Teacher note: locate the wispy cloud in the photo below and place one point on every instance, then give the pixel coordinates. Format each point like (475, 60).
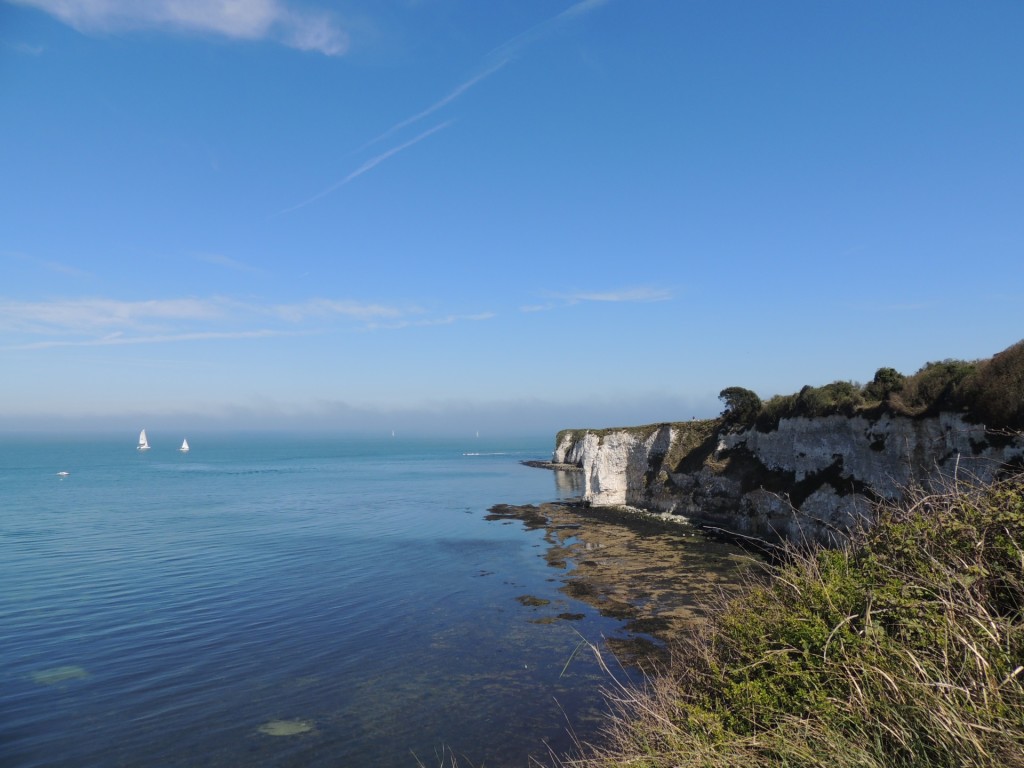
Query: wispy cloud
(319, 309)
(227, 262)
(373, 162)
(64, 269)
(88, 316)
(54, 267)
(109, 322)
(25, 49)
(431, 321)
(303, 29)
(637, 295)
(642, 294)
(118, 339)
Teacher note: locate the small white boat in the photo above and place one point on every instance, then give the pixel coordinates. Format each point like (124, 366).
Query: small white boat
(143, 442)
(184, 446)
(63, 474)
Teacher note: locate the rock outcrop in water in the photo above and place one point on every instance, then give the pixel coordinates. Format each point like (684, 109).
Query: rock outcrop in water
(807, 478)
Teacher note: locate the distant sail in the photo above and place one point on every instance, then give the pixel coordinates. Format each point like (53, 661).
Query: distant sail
(184, 446)
(143, 442)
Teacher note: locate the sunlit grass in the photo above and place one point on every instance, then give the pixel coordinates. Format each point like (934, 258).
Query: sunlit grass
(904, 650)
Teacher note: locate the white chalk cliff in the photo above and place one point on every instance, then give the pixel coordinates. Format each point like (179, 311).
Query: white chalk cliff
(809, 477)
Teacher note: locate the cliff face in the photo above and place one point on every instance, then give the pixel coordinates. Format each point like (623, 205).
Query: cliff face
(808, 478)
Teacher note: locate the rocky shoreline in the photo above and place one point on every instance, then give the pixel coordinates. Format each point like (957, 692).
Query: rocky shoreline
(552, 465)
(656, 577)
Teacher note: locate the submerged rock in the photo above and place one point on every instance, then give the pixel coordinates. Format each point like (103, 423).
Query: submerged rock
(58, 675)
(286, 727)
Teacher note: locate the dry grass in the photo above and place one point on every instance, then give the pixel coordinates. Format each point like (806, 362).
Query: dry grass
(904, 649)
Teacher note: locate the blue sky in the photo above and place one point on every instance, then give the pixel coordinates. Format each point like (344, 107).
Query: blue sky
(443, 215)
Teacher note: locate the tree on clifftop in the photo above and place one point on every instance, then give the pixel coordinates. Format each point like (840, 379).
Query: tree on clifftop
(741, 405)
(886, 380)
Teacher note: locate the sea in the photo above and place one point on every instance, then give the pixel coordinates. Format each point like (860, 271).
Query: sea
(287, 600)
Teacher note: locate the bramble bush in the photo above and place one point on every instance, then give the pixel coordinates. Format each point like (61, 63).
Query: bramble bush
(940, 386)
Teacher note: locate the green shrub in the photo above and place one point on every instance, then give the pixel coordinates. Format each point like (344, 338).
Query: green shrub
(995, 394)
(838, 397)
(843, 397)
(989, 391)
(774, 409)
(940, 386)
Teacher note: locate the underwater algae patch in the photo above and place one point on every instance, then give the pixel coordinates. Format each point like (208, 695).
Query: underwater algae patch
(286, 727)
(58, 675)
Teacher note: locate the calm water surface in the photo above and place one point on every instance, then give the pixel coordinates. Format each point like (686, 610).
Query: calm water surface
(162, 609)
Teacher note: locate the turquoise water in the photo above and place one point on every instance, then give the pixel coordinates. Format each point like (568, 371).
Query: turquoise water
(159, 608)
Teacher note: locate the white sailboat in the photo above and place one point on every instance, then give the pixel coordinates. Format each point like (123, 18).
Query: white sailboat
(143, 442)
(184, 446)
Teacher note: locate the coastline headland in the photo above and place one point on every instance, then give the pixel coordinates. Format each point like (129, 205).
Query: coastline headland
(891, 634)
(810, 479)
(810, 467)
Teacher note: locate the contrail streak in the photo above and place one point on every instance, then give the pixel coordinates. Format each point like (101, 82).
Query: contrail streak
(368, 165)
(499, 57)
(455, 93)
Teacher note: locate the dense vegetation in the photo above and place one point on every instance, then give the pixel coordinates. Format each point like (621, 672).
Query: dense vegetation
(986, 391)
(904, 650)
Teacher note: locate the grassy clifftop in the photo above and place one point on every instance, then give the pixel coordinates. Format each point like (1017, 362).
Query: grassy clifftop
(904, 650)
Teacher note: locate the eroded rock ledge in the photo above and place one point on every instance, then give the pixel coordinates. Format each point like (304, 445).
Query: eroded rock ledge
(810, 478)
